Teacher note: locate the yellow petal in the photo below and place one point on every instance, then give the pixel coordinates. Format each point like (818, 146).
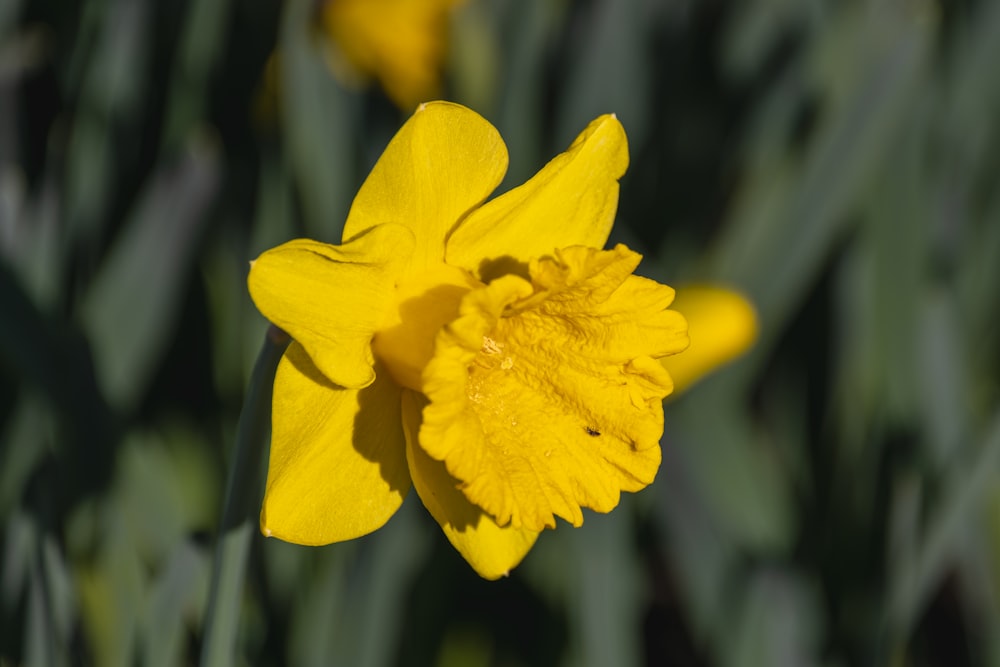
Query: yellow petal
(492, 551)
(545, 397)
(722, 324)
(571, 201)
(331, 299)
(337, 464)
(443, 162)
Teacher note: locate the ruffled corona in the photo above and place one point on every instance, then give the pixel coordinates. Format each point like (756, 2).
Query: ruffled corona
(545, 396)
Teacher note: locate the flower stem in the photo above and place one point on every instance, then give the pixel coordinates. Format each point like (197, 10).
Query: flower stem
(243, 489)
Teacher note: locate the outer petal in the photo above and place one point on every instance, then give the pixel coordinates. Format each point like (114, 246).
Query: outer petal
(571, 201)
(492, 551)
(722, 325)
(330, 298)
(442, 163)
(337, 464)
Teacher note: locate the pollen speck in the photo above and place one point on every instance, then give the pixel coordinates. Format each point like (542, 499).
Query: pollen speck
(491, 346)
(507, 363)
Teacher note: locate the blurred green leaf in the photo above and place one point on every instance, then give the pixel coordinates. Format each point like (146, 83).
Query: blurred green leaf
(111, 90)
(604, 601)
(130, 310)
(166, 488)
(19, 537)
(898, 231)
(51, 605)
(23, 444)
(755, 27)
(608, 71)
(32, 241)
(317, 117)
(317, 636)
(112, 591)
(961, 509)
(203, 38)
(738, 476)
(175, 597)
(518, 116)
(8, 16)
(786, 220)
(46, 357)
(777, 625)
(942, 377)
(40, 650)
(972, 91)
(700, 551)
(378, 596)
(356, 606)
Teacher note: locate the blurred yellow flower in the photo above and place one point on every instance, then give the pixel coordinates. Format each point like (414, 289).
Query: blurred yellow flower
(721, 324)
(489, 354)
(401, 43)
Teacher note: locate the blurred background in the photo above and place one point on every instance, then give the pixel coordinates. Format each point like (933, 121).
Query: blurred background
(832, 499)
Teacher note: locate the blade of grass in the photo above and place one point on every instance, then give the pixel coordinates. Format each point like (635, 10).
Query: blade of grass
(966, 491)
(111, 590)
(606, 613)
(110, 96)
(203, 42)
(322, 632)
(778, 622)
(39, 651)
(182, 581)
(51, 607)
(318, 118)
(352, 612)
(788, 219)
(380, 597)
(22, 446)
(243, 490)
(519, 109)
(609, 71)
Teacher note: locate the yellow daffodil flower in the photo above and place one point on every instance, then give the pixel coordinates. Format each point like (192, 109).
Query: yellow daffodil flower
(491, 355)
(401, 43)
(721, 325)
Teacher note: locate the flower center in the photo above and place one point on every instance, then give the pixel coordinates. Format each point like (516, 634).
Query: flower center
(423, 305)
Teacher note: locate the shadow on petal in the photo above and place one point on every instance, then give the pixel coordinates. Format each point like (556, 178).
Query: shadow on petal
(377, 430)
(490, 549)
(438, 490)
(493, 268)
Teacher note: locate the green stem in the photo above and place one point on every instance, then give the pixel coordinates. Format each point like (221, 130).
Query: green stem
(239, 515)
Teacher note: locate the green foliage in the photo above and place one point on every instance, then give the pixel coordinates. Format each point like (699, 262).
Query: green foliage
(831, 499)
